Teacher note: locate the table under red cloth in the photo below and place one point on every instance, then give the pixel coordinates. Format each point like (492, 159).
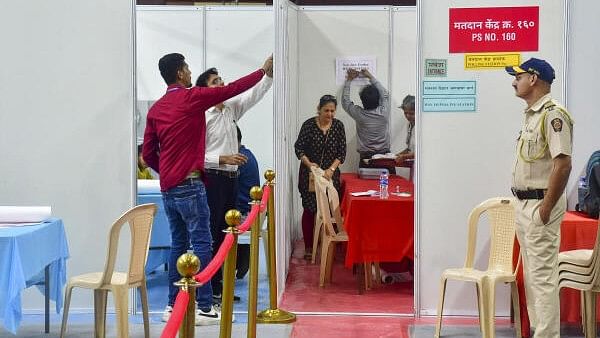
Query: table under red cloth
(577, 232)
(379, 230)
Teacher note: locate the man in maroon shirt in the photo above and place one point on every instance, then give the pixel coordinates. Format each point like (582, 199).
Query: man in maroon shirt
(174, 144)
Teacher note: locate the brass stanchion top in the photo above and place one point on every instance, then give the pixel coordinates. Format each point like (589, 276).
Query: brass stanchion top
(188, 266)
(270, 176)
(233, 217)
(256, 193)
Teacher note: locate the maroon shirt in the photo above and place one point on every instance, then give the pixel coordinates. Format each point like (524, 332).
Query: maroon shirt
(175, 135)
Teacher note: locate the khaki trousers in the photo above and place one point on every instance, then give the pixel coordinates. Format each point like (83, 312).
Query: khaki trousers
(539, 249)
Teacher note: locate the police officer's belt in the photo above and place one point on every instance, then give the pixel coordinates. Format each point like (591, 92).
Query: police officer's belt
(534, 194)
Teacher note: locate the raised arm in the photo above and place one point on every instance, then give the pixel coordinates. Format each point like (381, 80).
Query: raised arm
(349, 106)
(204, 97)
(242, 103)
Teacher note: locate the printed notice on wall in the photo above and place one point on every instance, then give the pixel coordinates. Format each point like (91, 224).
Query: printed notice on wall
(436, 67)
(493, 29)
(491, 61)
(449, 96)
(342, 64)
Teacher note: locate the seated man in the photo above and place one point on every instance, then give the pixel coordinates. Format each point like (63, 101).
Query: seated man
(372, 119)
(408, 106)
(249, 177)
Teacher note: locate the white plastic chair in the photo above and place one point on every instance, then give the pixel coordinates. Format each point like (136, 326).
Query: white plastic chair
(140, 220)
(579, 270)
(501, 216)
(329, 207)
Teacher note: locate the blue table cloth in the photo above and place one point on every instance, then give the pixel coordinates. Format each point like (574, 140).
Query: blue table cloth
(25, 251)
(160, 238)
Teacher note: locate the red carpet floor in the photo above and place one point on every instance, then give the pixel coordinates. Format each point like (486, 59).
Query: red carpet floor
(303, 294)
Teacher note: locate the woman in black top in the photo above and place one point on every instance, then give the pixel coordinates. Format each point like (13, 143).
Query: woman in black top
(321, 143)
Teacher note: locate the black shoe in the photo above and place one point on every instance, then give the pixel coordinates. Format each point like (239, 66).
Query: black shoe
(217, 298)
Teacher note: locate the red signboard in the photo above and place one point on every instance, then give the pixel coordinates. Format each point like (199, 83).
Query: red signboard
(493, 29)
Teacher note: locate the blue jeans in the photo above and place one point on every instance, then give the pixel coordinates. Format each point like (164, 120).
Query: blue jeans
(188, 213)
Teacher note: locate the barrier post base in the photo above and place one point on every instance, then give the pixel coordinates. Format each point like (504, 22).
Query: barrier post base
(276, 316)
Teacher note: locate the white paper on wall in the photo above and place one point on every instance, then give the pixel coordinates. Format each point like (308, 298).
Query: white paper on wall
(342, 64)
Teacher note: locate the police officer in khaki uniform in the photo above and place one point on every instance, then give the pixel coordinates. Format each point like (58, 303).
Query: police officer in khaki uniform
(541, 171)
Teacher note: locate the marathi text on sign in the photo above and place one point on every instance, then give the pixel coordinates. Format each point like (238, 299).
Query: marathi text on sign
(493, 29)
(491, 61)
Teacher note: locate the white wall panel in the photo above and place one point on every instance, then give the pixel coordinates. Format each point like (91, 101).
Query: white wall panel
(238, 40)
(465, 158)
(582, 78)
(66, 120)
(325, 33)
(164, 30)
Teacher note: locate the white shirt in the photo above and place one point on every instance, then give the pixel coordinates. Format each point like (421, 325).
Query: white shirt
(221, 134)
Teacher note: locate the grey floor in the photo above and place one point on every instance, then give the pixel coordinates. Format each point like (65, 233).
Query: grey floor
(83, 327)
(455, 331)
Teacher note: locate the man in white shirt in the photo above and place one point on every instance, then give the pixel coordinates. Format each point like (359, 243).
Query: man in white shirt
(222, 156)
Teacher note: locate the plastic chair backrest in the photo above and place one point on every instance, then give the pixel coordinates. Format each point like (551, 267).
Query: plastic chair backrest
(326, 198)
(501, 216)
(140, 220)
(596, 264)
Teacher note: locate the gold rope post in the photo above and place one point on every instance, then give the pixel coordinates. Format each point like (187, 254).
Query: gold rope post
(188, 265)
(273, 315)
(233, 218)
(256, 195)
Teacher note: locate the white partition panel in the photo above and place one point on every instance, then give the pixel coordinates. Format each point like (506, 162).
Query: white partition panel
(238, 40)
(327, 32)
(66, 120)
(583, 49)
(163, 30)
(403, 70)
(285, 127)
(465, 158)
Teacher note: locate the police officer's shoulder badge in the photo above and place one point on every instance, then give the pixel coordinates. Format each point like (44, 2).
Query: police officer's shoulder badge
(557, 124)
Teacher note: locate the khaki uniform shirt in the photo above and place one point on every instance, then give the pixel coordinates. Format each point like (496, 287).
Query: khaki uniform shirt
(537, 146)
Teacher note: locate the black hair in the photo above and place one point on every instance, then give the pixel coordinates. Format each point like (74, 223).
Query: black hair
(202, 80)
(369, 96)
(325, 99)
(239, 134)
(140, 146)
(169, 65)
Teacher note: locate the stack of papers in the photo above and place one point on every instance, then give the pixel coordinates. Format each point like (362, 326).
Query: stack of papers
(365, 193)
(20, 215)
(388, 156)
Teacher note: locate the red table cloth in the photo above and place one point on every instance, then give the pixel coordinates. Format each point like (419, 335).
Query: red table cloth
(379, 230)
(577, 232)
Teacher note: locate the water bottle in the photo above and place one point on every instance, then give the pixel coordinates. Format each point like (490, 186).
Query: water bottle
(383, 185)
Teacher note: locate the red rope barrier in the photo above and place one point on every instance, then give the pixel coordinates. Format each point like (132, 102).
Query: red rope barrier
(206, 274)
(181, 302)
(218, 259)
(265, 198)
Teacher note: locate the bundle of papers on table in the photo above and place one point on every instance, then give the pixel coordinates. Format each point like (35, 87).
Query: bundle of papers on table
(23, 215)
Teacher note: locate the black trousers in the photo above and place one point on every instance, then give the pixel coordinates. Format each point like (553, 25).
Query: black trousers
(221, 193)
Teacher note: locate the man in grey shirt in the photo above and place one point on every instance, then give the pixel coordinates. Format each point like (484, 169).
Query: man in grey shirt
(372, 119)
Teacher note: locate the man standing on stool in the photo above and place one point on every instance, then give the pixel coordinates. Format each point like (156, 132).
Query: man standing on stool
(540, 174)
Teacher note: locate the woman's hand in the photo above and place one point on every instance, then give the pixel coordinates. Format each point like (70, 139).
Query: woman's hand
(310, 164)
(328, 174)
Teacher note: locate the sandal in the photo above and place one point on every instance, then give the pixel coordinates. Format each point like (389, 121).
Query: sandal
(308, 256)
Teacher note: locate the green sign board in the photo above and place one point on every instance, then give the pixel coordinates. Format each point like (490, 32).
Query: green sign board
(436, 67)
